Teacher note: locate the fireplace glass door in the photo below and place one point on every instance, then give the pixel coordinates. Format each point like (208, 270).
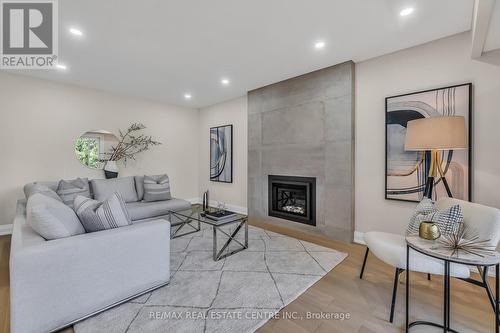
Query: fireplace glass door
(293, 198)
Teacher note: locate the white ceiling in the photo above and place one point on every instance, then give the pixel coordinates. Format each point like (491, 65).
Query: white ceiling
(161, 49)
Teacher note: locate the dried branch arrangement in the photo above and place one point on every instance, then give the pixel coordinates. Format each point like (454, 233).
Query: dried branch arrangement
(467, 240)
(131, 143)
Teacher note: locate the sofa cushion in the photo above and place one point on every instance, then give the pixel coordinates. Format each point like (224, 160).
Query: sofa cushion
(144, 210)
(157, 188)
(51, 218)
(139, 187)
(96, 215)
(33, 188)
(69, 189)
(104, 188)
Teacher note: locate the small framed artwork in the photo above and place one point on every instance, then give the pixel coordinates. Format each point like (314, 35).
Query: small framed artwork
(221, 154)
(406, 171)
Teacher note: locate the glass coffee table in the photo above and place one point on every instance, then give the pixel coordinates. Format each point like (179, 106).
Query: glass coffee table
(191, 220)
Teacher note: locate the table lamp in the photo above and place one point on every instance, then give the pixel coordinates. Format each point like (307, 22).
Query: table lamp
(435, 134)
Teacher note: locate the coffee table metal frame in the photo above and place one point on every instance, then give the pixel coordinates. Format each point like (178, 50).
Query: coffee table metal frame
(195, 216)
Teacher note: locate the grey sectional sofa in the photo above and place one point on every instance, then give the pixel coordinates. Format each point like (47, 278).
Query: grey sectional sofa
(58, 282)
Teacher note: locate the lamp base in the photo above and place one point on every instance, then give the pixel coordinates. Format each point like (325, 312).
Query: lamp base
(435, 170)
(429, 186)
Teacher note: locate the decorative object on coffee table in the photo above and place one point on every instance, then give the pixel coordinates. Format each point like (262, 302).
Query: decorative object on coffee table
(131, 143)
(221, 154)
(429, 230)
(205, 200)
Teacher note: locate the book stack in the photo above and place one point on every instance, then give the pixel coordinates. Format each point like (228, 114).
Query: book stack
(220, 216)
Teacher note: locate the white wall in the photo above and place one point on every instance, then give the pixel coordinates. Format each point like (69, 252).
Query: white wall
(40, 121)
(230, 112)
(441, 63)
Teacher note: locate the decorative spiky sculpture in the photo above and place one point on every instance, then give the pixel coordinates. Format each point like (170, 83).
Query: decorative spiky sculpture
(467, 240)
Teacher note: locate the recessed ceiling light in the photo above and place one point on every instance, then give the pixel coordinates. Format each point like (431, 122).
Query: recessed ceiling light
(225, 82)
(406, 11)
(187, 96)
(319, 44)
(61, 67)
(76, 32)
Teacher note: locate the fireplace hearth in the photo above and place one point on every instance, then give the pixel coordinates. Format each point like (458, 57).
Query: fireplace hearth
(293, 198)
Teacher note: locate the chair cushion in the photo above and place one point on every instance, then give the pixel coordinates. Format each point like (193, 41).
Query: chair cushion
(68, 190)
(51, 218)
(104, 188)
(391, 249)
(448, 220)
(96, 215)
(143, 210)
(156, 188)
(484, 220)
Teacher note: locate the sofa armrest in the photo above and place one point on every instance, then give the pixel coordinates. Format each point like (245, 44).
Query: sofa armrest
(59, 281)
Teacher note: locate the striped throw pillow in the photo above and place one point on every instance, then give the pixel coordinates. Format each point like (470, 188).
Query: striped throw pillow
(156, 188)
(448, 220)
(96, 215)
(68, 190)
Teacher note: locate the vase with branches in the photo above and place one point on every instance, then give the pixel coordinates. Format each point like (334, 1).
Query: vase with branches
(131, 143)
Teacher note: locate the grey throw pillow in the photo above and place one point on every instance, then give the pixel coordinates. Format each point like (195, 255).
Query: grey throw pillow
(104, 188)
(448, 220)
(52, 219)
(32, 189)
(157, 188)
(68, 190)
(139, 186)
(96, 215)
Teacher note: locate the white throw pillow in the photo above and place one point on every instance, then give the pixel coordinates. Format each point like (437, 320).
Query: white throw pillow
(51, 218)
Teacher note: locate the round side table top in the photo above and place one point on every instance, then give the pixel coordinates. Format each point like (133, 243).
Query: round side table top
(435, 249)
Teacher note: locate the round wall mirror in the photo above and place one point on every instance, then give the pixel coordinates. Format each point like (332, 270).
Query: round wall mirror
(93, 148)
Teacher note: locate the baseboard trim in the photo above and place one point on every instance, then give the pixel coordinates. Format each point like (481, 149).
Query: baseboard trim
(359, 237)
(213, 203)
(5, 229)
(193, 200)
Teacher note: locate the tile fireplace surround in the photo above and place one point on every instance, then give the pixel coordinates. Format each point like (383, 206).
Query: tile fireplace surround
(304, 127)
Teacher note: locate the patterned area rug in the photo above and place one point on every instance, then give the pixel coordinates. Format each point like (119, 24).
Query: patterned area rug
(236, 294)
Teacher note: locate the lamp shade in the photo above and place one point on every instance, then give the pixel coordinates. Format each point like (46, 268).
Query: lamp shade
(436, 133)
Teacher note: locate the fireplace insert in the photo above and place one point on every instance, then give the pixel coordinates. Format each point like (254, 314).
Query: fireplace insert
(293, 198)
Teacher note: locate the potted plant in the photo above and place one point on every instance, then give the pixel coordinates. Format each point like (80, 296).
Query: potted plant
(130, 144)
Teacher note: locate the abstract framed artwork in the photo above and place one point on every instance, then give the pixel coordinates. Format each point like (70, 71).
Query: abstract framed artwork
(221, 154)
(406, 171)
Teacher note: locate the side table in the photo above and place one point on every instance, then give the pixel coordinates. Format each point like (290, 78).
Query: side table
(431, 248)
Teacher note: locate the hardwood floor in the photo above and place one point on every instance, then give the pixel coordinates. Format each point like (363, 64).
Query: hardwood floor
(367, 301)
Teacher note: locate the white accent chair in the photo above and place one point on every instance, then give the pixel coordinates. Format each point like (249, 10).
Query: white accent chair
(391, 248)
